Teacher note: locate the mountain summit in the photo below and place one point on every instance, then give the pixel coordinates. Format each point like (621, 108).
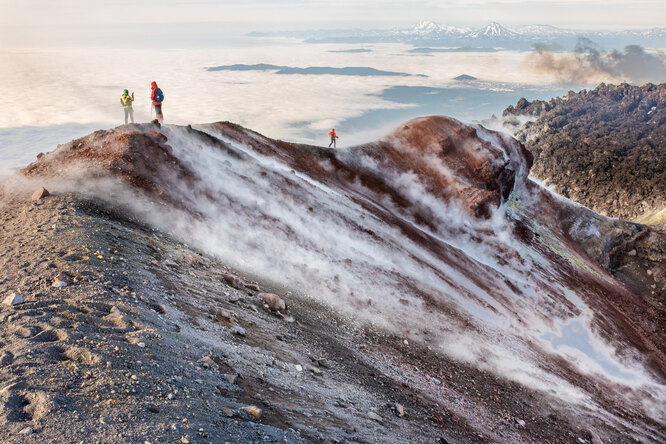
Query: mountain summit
(494, 30)
(419, 287)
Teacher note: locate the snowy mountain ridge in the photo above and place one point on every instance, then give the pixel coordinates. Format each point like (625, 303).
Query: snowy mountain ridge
(493, 35)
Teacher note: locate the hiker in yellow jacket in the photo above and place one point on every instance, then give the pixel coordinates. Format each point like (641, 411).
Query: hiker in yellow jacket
(126, 101)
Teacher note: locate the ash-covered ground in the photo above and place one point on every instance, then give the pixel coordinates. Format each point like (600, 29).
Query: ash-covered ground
(153, 341)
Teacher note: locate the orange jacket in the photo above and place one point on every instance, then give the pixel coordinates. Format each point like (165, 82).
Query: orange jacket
(332, 134)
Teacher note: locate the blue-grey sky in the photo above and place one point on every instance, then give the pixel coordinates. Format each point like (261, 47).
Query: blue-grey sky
(280, 14)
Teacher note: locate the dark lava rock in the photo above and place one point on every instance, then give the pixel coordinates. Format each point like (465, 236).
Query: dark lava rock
(604, 148)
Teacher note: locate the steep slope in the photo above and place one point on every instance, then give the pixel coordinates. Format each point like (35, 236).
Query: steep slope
(457, 277)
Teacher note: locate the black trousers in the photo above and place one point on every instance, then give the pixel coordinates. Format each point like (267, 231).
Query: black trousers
(158, 112)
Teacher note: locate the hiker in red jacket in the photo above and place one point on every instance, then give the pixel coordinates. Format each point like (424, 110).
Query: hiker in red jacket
(157, 96)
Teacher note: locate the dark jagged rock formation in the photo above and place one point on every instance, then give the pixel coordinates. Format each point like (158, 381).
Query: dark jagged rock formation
(604, 148)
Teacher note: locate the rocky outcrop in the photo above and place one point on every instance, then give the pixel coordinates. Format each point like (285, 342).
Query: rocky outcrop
(604, 148)
(634, 253)
(458, 163)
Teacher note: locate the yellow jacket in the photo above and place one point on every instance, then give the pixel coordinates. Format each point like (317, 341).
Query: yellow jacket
(127, 101)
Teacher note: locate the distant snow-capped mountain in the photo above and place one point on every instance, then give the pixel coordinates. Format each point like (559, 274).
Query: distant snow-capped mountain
(494, 30)
(432, 28)
(494, 35)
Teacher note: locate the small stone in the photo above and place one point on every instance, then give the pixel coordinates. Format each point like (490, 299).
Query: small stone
(238, 330)
(315, 370)
(252, 287)
(59, 284)
(340, 403)
(230, 280)
(399, 409)
(40, 194)
(323, 363)
(632, 252)
(299, 368)
(254, 411)
(520, 422)
(374, 416)
(228, 412)
(649, 272)
(206, 362)
(222, 313)
(161, 309)
(231, 377)
(26, 431)
(273, 301)
(141, 344)
(13, 299)
(184, 440)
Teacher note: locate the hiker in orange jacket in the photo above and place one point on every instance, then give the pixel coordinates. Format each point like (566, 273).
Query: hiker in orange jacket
(333, 136)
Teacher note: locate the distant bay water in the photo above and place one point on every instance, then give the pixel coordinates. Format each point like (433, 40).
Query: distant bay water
(281, 87)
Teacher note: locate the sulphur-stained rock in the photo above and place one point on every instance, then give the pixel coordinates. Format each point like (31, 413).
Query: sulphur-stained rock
(273, 301)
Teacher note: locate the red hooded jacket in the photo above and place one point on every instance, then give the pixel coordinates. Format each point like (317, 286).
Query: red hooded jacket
(153, 94)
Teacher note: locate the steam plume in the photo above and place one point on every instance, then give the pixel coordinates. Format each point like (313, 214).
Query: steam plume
(590, 64)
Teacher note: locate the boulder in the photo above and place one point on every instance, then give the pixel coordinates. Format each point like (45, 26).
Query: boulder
(40, 194)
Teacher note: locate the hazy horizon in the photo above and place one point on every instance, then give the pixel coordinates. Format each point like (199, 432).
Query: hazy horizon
(585, 14)
(64, 65)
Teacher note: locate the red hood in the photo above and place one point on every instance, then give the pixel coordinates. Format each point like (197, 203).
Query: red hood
(153, 85)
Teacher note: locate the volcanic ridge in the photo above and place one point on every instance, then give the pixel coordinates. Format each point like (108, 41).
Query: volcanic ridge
(210, 284)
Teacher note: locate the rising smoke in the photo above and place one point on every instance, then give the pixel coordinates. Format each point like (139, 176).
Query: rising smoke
(589, 64)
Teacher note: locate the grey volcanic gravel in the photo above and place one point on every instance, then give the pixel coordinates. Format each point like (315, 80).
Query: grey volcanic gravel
(139, 346)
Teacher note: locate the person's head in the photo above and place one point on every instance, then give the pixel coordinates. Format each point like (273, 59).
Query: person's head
(125, 92)
(333, 129)
(153, 85)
